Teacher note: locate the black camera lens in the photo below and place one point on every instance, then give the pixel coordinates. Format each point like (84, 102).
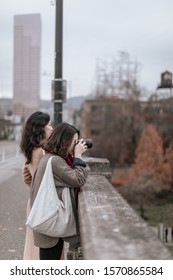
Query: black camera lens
(89, 143)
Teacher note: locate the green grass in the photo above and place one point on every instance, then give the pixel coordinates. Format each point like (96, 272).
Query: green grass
(155, 214)
(157, 205)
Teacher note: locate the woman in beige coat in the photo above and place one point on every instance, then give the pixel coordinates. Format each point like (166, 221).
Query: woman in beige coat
(37, 128)
(69, 170)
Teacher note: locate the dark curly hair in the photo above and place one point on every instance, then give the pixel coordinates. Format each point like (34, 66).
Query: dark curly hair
(33, 133)
(60, 139)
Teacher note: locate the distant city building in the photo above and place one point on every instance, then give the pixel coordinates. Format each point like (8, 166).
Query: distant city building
(26, 66)
(95, 114)
(166, 80)
(164, 89)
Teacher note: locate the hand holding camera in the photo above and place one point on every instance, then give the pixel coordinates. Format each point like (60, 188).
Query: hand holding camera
(81, 146)
(88, 143)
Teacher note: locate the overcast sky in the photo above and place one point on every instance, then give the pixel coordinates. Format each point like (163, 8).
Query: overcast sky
(93, 29)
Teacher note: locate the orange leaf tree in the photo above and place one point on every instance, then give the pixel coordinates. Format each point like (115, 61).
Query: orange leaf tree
(149, 153)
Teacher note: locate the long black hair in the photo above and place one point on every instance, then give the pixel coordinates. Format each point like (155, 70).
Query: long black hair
(33, 133)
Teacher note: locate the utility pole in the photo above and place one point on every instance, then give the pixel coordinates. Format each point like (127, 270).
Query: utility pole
(58, 84)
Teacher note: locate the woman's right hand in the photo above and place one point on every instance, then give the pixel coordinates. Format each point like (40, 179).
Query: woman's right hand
(80, 148)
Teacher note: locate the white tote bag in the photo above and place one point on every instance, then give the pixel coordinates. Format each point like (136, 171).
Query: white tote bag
(49, 215)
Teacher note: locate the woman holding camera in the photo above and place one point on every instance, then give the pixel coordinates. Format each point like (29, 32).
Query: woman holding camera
(69, 170)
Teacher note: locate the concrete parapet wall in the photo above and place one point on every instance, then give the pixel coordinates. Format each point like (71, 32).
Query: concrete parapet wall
(110, 228)
(99, 166)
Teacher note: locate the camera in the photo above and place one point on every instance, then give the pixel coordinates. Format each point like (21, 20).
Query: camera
(89, 143)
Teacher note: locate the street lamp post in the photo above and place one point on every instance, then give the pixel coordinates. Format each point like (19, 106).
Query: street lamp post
(58, 84)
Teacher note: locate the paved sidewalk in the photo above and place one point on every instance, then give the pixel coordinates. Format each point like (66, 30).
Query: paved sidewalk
(14, 195)
(8, 149)
(13, 200)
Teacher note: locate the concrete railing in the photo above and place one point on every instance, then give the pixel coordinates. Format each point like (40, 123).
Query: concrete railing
(110, 228)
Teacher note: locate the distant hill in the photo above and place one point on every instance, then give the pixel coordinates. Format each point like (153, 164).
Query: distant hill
(6, 102)
(73, 103)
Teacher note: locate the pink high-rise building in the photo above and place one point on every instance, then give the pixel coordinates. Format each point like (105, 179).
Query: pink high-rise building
(26, 66)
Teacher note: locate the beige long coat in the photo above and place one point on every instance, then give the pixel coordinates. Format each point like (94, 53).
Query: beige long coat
(64, 176)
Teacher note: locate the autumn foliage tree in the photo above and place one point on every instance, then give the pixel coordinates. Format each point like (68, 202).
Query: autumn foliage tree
(167, 170)
(147, 168)
(149, 154)
(148, 159)
(153, 166)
